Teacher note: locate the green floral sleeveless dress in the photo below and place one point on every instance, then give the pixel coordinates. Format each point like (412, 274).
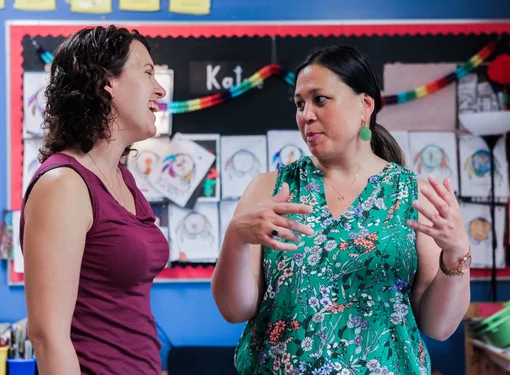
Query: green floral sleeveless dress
(340, 303)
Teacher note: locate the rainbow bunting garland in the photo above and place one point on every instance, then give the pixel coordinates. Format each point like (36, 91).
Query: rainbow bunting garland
(442, 82)
(289, 77)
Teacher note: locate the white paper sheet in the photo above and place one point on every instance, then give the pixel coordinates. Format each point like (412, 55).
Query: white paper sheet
(165, 78)
(478, 226)
(475, 167)
(402, 137)
(34, 102)
(227, 209)
(243, 158)
(170, 168)
(211, 142)
(18, 255)
(144, 162)
(31, 148)
(194, 233)
(284, 147)
(466, 93)
(435, 153)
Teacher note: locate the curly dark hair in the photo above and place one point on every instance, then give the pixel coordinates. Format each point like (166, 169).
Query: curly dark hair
(78, 109)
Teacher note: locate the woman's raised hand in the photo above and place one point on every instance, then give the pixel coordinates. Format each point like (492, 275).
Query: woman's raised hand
(265, 223)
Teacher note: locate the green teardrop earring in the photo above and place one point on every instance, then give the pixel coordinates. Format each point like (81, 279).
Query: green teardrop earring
(365, 133)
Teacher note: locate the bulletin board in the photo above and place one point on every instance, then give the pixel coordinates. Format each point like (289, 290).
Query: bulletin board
(185, 47)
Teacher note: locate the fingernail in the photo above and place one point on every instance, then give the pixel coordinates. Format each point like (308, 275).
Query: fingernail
(410, 223)
(416, 204)
(425, 190)
(432, 178)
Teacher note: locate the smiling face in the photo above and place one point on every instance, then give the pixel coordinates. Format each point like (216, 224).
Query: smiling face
(135, 94)
(329, 113)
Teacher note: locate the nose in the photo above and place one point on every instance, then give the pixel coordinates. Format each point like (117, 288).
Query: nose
(309, 114)
(159, 90)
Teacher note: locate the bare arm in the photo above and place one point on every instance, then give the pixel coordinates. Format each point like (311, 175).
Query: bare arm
(58, 214)
(440, 301)
(238, 283)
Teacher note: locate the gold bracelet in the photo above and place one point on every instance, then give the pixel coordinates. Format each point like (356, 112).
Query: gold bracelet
(461, 269)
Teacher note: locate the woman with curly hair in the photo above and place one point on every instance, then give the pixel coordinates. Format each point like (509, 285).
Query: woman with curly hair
(89, 238)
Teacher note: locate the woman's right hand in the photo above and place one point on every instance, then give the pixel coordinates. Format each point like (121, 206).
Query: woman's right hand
(262, 224)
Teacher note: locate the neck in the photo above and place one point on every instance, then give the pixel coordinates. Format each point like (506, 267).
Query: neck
(361, 161)
(104, 155)
(107, 156)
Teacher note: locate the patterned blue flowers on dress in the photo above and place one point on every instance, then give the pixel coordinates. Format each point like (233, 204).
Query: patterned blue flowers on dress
(312, 186)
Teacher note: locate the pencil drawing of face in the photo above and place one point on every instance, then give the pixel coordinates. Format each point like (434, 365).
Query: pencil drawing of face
(479, 229)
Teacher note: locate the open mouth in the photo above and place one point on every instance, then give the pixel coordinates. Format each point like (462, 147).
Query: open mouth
(153, 106)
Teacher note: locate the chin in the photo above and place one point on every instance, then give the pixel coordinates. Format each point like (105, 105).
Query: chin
(144, 133)
(148, 131)
(317, 150)
(152, 131)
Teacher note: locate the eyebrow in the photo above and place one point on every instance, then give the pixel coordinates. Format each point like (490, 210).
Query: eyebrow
(311, 91)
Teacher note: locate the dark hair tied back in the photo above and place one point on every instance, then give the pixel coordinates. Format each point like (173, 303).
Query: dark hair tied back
(356, 71)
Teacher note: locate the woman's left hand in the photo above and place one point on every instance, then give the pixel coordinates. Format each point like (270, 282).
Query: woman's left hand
(447, 229)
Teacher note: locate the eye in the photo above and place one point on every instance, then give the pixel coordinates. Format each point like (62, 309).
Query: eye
(319, 100)
(150, 73)
(300, 105)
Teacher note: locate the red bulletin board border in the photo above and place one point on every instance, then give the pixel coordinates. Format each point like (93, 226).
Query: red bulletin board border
(16, 32)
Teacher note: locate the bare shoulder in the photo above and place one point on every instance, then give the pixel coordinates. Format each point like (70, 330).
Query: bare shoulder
(60, 191)
(60, 182)
(259, 190)
(262, 185)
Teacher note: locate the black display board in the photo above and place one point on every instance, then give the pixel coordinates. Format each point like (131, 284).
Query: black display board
(203, 64)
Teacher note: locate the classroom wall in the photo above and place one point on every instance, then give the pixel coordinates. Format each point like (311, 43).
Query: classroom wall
(186, 311)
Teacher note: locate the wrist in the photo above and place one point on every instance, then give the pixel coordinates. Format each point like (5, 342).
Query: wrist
(451, 260)
(455, 263)
(232, 237)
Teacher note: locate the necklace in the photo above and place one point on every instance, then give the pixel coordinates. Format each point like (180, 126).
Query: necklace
(117, 196)
(341, 197)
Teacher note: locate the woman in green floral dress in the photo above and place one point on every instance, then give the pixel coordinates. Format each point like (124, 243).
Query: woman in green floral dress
(339, 259)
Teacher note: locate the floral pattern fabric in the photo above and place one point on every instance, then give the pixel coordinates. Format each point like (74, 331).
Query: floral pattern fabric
(340, 304)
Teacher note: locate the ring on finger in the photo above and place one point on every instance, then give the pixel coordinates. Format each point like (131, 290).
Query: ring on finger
(274, 233)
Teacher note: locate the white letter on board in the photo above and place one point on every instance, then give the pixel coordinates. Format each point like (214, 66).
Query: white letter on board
(227, 82)
(238, 70)
(211, 77)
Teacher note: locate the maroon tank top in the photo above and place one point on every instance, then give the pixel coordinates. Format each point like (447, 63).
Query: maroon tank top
(113, 330)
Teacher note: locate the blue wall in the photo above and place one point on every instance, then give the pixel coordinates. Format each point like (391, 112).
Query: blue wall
(187, 312)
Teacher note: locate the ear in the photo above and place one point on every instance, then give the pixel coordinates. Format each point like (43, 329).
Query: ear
(109, 89)
(367, 106)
